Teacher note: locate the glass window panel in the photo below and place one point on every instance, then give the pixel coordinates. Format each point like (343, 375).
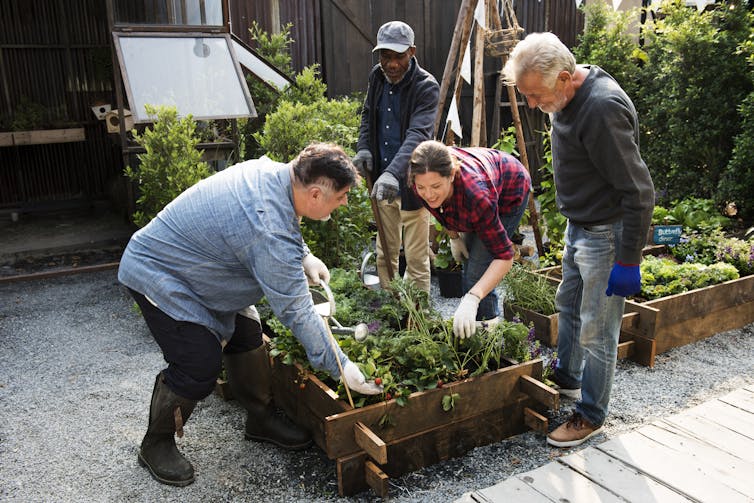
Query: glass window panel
(171, 12)
(197, 75)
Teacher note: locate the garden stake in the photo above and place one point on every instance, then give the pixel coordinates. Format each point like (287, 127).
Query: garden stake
(378, 222)
(333, 342)
(334, 345)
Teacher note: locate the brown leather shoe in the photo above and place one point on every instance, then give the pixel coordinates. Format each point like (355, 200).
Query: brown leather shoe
(575, 431)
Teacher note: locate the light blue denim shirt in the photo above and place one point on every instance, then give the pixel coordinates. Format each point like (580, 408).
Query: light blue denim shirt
(222, 245)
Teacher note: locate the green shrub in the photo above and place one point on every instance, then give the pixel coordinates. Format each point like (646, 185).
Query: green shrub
(689, 94)
(737, 179)
(170, 165)
(274, 48)
(608, 42)
(661, 276)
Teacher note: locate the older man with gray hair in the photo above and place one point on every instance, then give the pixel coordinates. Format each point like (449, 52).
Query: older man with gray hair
(605, 190)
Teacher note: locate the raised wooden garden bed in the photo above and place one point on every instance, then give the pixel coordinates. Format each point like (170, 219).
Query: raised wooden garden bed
(487, 409)
(654, 326)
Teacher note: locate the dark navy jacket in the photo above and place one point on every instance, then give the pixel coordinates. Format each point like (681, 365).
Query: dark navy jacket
(419, 99)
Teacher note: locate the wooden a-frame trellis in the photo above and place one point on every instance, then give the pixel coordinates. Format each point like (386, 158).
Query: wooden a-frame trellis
(498, 42)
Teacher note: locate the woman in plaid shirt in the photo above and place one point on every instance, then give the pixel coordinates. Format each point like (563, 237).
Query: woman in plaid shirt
(479, 195)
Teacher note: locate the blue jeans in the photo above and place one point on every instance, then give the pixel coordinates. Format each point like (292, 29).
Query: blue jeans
(588, 320)
(480, 259)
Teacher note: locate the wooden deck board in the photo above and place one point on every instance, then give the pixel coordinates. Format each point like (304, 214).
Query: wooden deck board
(734, 472)
(708, 431)
(560, 483)
(703, 454)
(740, 398)
(514, 489)
(619, 478)
(673, 468)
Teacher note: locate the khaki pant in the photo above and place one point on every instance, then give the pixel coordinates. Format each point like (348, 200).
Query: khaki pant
(413, 228)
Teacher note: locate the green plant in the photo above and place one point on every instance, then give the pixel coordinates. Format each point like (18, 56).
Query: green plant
(555, 222)
(689, 95)
(737, 179)
(693, 213)
(443, 254)
(409, 347)
(170, 165)
(275, 48)
(531, 291)
(662, 276)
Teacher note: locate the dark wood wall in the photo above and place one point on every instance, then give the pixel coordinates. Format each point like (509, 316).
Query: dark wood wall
(55, 59)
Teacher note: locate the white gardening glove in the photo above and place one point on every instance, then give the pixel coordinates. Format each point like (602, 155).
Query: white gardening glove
(363, 162)
(315, 270)
(458, 248)
(464, 319)
(356, 381)
(386, 188)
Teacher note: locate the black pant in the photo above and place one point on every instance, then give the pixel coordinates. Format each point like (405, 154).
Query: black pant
(193, 353)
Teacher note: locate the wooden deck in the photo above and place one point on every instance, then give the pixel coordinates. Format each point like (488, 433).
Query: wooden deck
(704, 454)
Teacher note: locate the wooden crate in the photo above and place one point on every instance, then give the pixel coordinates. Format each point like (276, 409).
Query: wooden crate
(490, 407)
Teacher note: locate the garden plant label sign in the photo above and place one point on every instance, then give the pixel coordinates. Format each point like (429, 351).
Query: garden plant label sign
(667, 234)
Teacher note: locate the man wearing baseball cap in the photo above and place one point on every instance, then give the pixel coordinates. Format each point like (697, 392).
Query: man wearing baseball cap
(398, 114)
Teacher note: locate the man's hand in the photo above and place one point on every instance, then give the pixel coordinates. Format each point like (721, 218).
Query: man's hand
(458, 248)
(315, 270)
(386, 187)
(625, 280)
(356, 381)
(363, 162)
(464, 319)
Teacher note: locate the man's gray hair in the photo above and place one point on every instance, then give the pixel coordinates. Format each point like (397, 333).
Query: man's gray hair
(542, 53)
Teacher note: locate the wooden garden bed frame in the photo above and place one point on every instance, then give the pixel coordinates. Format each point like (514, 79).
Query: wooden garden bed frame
(654, 326)
(489, 408)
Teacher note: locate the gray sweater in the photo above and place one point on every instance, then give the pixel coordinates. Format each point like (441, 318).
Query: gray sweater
(600, 176)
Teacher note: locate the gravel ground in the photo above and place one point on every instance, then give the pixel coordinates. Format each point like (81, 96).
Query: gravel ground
(76, 372)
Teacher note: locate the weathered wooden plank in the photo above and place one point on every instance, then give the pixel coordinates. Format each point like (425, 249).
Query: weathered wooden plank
(428, 447)
(703, 301)
(625, 349)
(351, 475)
(545, 326)
(645, 351)
(44, 136)
(424, 409)
(372, 444)
(708, 431)
(646, 325)
(723, 467)
(560, 483)
(539, 391)
(510, 490)
(740, 398)
(703, 326)
(619, 478)
(455, 438)
(6, 139)
(376, 479)
(535, 421)
(671, 468)
(726, 415)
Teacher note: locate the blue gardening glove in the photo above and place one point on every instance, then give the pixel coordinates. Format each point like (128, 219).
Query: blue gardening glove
(625, 280)
(363, 162)
(386, 187)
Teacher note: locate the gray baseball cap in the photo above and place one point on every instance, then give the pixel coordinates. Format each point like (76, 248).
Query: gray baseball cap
(395, 36)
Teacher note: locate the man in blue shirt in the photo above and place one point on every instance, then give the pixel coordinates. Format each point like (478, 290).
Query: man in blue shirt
(398, 113)
(195, 269)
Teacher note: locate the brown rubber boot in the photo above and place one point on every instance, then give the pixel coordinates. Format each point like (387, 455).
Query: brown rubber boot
(159, 454)
(249, 376)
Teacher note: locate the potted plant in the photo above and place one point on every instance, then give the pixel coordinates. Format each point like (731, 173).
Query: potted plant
(446, 268)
